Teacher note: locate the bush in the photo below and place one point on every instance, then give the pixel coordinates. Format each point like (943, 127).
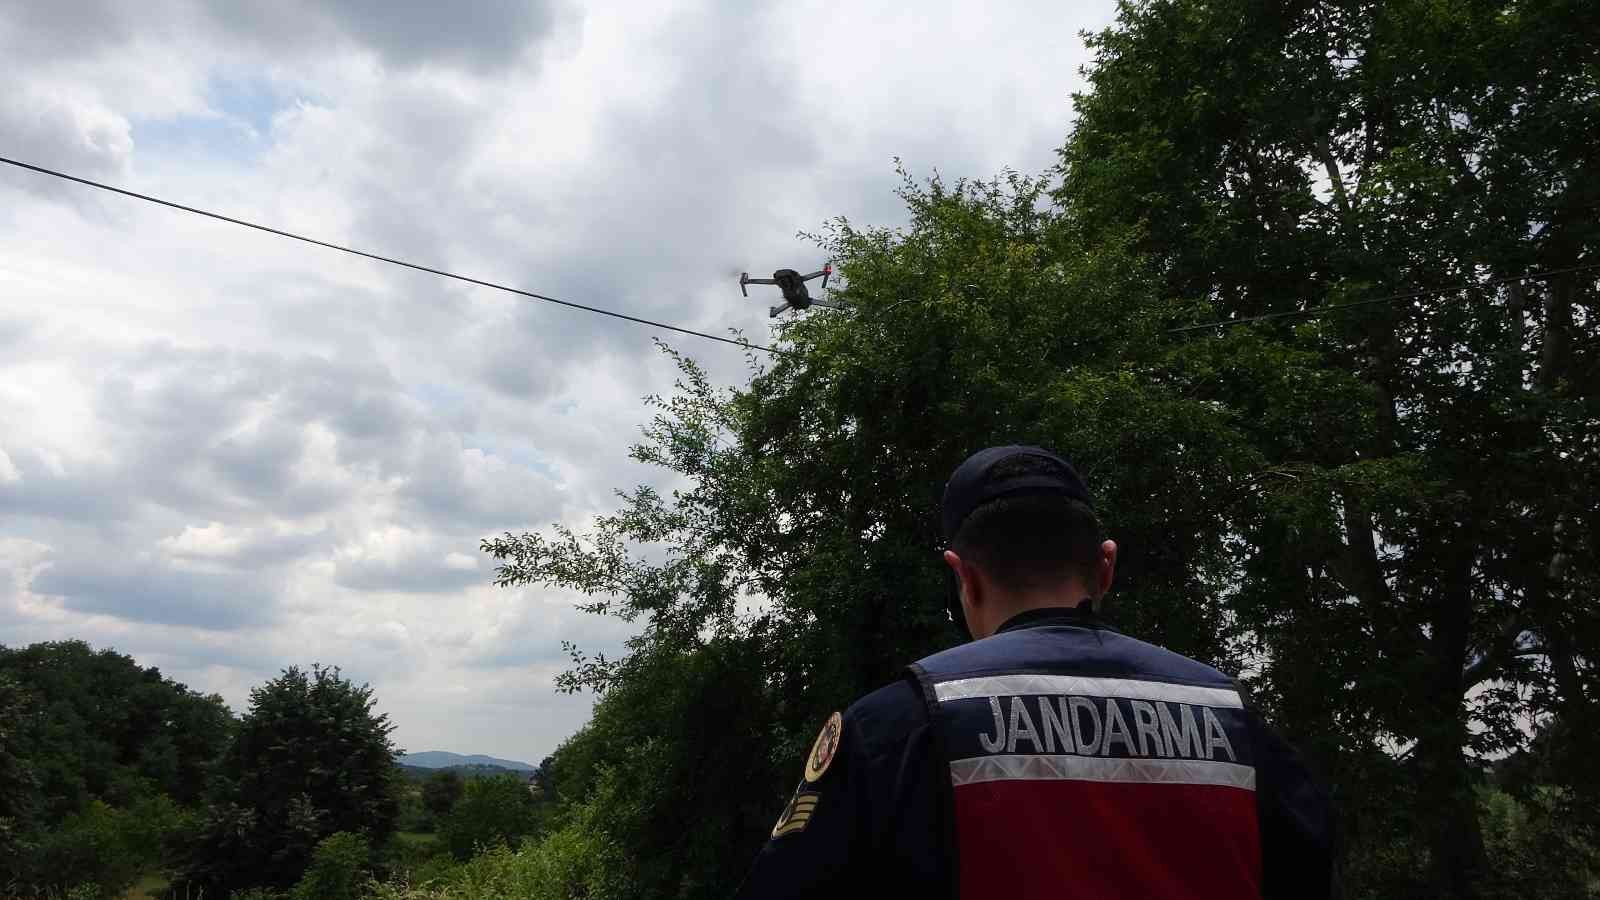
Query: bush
(441, 792)
(102, 849)
(408, 856)
(491, 811)
(574, 861)
(1532, 850)
(339, 869)
(414, 816)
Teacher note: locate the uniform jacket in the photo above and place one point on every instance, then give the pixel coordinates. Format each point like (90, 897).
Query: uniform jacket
(1057, 758)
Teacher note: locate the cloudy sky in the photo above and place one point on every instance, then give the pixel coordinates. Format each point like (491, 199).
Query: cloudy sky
(223, 452)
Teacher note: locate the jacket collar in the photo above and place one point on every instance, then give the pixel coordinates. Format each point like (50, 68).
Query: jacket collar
(1081, 615)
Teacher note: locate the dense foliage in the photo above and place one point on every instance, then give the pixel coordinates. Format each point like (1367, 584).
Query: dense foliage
(490, 811)
(311, 759)
(97, 725)
(1425, 580)
(97, 756)
(441, 791)
(340, 868)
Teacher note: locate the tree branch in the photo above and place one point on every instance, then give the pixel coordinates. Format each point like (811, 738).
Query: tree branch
(1341, 197)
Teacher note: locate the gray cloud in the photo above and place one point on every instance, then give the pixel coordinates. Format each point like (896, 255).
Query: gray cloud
(430, 571)
(480, 34)
(151, 592)
(484, 34)
(411, 576)
(41, 489)
(56, 132)
(465, 489)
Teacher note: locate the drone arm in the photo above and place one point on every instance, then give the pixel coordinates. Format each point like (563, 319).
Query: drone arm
(827, 304)
(744, 279)
(825, 271)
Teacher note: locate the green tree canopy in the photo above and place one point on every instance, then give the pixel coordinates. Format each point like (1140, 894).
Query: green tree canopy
(104, 727)
(311, 759)
(495, 810)
(18, 788)
(1425, 581)
(440, 792)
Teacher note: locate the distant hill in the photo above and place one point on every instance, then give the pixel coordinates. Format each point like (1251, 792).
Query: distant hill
(444, 759)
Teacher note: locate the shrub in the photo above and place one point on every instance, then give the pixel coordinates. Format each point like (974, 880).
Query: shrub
(1532, 851)
(102, 848)
(441, 792)
(574, 861)
(491, 811)
(408, 855)
(339, 869)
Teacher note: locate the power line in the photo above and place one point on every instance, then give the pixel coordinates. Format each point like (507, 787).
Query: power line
(1387, 298)
(1222, 323)
(391, 260)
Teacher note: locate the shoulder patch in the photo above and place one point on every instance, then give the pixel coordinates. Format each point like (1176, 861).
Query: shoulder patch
(822, 751)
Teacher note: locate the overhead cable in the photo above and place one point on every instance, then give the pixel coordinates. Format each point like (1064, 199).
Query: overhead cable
(389, 259)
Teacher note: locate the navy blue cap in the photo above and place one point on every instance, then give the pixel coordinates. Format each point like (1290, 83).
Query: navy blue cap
(971, 486)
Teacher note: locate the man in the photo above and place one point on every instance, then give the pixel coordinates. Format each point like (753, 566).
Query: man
(1051, 756)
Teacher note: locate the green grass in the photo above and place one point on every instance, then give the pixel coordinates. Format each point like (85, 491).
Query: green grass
(416, 838)
(150, 887)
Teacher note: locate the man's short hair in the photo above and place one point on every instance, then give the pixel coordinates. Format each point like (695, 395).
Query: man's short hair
(1031, 541)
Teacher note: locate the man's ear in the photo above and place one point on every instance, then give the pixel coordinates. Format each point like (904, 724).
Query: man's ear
(962, 570)
(1106, 569)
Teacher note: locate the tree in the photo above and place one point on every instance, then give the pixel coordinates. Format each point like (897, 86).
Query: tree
(107, 728)
(491, 810)
(1421, 577)
(311, 759)
(440, 792)
(18, 788)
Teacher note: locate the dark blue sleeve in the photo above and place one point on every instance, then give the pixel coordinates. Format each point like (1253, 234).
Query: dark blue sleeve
(813, 849)
(869, 822)
(1296, 818)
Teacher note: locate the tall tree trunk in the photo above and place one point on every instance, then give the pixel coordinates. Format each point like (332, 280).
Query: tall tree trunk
(1455, 838)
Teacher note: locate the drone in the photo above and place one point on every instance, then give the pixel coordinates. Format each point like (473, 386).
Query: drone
(793, 285)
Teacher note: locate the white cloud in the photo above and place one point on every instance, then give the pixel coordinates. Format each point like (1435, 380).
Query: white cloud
(225, 452)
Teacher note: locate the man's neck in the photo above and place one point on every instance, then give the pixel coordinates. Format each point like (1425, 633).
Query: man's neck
(1073, 596)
